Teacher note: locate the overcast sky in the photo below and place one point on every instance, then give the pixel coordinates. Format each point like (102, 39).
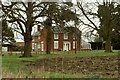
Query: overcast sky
(19, 37)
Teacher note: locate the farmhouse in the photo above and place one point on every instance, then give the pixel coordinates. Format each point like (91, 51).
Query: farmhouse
(62, 39)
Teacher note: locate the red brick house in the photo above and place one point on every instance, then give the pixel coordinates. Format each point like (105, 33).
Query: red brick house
(63, 39)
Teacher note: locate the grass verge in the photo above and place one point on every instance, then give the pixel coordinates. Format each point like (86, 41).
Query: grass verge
(13, 67)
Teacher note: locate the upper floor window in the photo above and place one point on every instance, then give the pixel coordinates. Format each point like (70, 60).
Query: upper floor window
(55, 36)
(74, 37)
(65, 36)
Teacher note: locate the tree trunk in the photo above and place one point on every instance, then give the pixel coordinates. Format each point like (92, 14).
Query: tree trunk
(27, 49)
(27, 34)
(108, 45)
(48, 42)
(75, 44)
(27, 45)
(48, 24)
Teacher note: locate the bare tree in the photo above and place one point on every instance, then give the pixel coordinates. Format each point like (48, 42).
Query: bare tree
(105, 14)
(25, 15)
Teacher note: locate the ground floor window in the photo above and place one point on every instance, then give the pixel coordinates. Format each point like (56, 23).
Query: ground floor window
(33, 46)
(74, 44)
(38, 45)
(55, 44)
(42, 46)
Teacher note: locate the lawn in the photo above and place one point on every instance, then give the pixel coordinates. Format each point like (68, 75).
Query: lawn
(15, 67)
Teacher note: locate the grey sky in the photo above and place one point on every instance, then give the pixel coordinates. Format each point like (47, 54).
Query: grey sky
(19, 37)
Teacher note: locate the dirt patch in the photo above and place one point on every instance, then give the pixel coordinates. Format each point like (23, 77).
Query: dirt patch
(101, 65)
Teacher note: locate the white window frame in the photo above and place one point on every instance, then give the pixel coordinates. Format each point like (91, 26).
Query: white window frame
(38, 37)
(55, 35)
(33, 46)
(33, 40)
(38, 45)
(42, 46)
(74, 44)
(74, 36)
(56, 44)
(65, 35)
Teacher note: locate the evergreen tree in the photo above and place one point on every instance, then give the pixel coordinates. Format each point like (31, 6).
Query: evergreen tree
(7, 34)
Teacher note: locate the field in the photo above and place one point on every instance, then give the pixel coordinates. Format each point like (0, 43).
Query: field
(91, 64)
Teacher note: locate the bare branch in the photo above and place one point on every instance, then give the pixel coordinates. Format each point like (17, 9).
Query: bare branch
(21, 27)
(81, 8)
(24, 5)
(16, 30)
(40, 12)
(86, 24)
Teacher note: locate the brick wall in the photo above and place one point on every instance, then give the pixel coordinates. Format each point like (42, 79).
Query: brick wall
(60, 39)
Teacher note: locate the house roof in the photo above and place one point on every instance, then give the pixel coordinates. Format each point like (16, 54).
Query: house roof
(37, 33)
(57, 29)
(73, 30)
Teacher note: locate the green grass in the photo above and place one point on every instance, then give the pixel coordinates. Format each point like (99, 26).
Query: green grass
(13, 67)
(78, 54)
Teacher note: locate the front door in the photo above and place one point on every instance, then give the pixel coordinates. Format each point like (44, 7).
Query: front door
(66, 46)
